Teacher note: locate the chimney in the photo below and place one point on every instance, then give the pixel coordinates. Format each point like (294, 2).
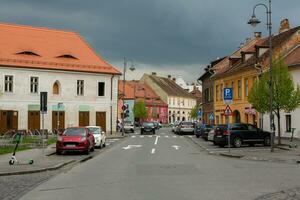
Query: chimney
(284, 25)
(257, 35)
(174, 79)
(154, 73)
(169, 76)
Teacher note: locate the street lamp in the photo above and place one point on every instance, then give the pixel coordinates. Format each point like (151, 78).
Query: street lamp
(131, 68)
(253, 22)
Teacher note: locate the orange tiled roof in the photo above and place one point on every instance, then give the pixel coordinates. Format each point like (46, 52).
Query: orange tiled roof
(129, 90)
(293, 58)
(43, 48)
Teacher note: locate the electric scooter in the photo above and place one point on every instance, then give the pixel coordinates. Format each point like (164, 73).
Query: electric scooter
(13, 159)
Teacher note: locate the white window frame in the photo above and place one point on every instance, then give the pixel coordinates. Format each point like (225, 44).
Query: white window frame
(13, 85)
(38, 89)
(80, 87)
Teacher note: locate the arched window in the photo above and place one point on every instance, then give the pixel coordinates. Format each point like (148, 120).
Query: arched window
(56, 87)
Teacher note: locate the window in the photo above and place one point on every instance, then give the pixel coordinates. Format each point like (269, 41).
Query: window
(173, 101)
(80, 87)
(288, 121)
(217, 92)
(8, 83)
(55, 88)
(246, 87)
(239, 89)
(206, 95)
(34, 84)
(101, 89)
(221, 91)
(232, 86)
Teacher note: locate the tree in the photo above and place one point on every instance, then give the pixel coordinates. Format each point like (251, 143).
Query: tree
(194, 112)
(140, 110)
(286, 96)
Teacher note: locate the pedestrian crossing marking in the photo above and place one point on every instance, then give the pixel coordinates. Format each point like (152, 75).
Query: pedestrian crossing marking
(149, 136)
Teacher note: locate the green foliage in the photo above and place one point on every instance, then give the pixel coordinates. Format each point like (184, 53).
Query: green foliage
(194, 112)
(140, 110)
(286, 96)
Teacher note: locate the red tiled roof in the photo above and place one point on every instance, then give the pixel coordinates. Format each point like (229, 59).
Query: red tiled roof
(293, 58)
(46, 47)
(129, 90)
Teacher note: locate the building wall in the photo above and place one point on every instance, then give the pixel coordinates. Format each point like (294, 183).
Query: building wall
(240, 104)
(21, 98)
(207, 102)
(161, 93)
(157, 113)
(180, 108)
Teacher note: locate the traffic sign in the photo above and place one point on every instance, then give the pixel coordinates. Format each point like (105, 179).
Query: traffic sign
(227, 111)
(211, 116)
(227, 92)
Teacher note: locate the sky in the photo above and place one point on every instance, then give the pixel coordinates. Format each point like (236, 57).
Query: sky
(169, 37)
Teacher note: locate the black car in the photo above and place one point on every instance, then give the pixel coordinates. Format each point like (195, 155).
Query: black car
(240, 134)
(156, 125)
(203, 130)
(148, 127)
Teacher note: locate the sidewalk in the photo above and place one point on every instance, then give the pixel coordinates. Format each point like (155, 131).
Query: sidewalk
(41, 162)
(281, 154)
(115, 135)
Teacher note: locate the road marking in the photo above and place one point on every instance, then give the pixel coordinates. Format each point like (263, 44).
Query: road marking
(130, 146)
(176, 147)
(166, 136)
(136, 133)
(156, 140)
(163, 133)
(133, 136)
(141, 136)
(190, 136)
(149, 136)
(181, 136)
(174, 136)
(153, 151)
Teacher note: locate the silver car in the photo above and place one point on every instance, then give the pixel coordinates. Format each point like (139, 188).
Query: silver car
(185, 127)
(210, 136)
(174, 126)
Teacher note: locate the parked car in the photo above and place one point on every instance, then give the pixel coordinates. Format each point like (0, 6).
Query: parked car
(128, 126)
(240, 134)
(156, 125)
(99, 136)
(148, 127)
(210, 136)
(75, 139)
(205, 130)
(185, 127)
(175, 125)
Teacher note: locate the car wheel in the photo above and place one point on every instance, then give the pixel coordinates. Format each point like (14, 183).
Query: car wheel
(222, 145)
(197, 136)
(58, 152)
(267, 141)
(100, 146)
(141, 132)
(87, 152)
(237, 142)
(214, 143)
(93, 148)
(104, 145)
(153, 132)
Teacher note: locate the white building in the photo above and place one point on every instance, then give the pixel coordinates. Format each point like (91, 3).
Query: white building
(186, 86)
(34, 60)
(292, 119)
(180, 102)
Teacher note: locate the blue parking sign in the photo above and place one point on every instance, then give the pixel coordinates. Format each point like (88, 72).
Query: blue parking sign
(227, 94)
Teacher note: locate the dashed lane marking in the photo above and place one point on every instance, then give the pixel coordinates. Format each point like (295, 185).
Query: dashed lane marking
(141, 136)
(166, 136)
(133, 136)
(149, 136)
(156, 140)
(153, 151)
(174, 136)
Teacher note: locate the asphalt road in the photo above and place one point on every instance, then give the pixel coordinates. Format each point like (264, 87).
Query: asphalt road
(166, 166)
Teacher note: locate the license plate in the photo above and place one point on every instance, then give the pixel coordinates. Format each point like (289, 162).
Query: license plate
(71, 145)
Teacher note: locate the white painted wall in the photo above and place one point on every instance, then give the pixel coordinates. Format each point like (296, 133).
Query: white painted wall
(184, 108)
(295, 115)
(21, 96)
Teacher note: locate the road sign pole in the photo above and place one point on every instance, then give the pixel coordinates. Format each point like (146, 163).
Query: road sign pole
(228, 96)
(228, 136)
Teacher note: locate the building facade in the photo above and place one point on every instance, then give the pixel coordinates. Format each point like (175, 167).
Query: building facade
(81, 86)
(179, 101)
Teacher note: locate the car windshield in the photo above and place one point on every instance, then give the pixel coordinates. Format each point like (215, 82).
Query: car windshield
(75, 132)
(128, 123)
(148, 124)
(95, 130)
(187, 123)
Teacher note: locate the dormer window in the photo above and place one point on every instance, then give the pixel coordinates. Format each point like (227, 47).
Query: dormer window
(67, 56)
(30, 53)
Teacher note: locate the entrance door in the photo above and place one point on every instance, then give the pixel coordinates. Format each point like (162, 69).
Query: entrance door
(101, 120)
(84, 118)
(8, 120)
(33, 120)
(55, 119)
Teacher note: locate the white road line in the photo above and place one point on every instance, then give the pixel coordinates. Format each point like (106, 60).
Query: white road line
(141, 136)
(133, 136)
(174, 136)
(136, 133)
(166, 136)
(153, 151)
(190, 136)
(181, 136)
(149, 136)
(156, 140)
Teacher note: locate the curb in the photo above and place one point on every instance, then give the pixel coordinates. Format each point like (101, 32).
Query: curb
(231, 155)
(55, 167)
(282, 148)
(116, 137)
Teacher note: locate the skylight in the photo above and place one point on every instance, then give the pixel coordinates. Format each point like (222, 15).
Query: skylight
(28, 53)
(67, 56)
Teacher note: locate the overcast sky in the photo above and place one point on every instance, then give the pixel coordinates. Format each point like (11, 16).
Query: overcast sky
(177, 37)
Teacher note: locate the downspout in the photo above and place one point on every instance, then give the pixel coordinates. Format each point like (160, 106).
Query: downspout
(111, 103)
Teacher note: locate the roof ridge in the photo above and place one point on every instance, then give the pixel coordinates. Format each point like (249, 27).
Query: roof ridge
(38, 28)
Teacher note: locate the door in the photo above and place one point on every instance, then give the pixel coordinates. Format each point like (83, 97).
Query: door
(8, 120)
(101, 120)
(58, 120)
(33, 120)
(84, 118)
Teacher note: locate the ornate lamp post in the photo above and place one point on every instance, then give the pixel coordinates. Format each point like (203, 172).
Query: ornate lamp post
(253, 22)
(131, 68)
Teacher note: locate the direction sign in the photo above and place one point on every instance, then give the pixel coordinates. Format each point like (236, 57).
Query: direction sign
(227, 111)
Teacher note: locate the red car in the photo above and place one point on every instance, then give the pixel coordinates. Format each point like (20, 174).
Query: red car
(75, 139)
